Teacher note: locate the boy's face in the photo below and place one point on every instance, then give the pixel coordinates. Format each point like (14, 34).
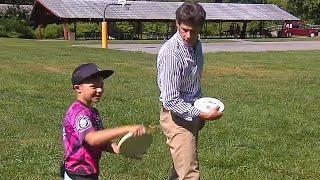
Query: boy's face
(90, 91)
(189, 33)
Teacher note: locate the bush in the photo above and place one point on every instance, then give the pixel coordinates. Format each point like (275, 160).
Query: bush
(3, 33)
(27, 33)
(121, 30)
(124, 27)
(53, 31)
(87, 27)
(14, 22)
(16, 28)
(155, 27)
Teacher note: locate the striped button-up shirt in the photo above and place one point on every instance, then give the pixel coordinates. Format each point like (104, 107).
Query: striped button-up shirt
(179, 72)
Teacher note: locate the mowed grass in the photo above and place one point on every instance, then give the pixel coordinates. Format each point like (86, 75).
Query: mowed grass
(270, 128)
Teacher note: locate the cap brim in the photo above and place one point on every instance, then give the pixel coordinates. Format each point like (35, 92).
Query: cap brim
(104, 73)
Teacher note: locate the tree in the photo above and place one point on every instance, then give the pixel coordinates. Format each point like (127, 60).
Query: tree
(17, 2)
(280, 3)
(16, 13)
(306, 10)
(241, 1)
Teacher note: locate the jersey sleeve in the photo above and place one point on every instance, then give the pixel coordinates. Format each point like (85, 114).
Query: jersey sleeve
(83, 125)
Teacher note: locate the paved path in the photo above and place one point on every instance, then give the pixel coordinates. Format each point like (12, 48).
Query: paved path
(239, 46)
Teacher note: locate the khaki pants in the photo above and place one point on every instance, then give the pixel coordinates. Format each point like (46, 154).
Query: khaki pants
(182, 139)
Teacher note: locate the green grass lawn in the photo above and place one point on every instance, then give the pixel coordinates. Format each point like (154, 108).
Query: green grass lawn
(270, 128)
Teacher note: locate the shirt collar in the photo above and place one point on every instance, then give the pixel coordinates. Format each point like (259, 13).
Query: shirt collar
(184, 44)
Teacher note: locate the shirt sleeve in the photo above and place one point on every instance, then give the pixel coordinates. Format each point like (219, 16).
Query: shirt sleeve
(83, 125)
(170, 74)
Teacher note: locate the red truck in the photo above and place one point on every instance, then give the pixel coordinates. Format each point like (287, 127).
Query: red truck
(297, 28)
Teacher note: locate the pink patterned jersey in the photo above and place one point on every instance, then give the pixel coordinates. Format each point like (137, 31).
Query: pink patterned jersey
(79, 157)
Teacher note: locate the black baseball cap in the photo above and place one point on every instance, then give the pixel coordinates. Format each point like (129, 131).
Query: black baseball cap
(85, 71)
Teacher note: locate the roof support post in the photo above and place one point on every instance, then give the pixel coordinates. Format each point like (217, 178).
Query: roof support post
(65, 31)
(220, 29)
(40, 32)
(75, 30)
(243, 32)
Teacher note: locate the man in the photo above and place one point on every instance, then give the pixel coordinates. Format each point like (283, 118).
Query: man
(180, 65)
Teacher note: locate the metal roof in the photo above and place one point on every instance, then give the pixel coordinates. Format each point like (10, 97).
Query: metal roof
(151, 11)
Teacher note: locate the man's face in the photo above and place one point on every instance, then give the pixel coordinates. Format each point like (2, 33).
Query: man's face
(189, 33)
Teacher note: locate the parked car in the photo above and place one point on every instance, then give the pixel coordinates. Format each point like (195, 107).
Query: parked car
(297, 28)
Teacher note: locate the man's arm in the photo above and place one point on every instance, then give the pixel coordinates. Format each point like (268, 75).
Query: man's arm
(170, 75)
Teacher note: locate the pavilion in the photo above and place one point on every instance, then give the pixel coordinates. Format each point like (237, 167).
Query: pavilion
(71, 11)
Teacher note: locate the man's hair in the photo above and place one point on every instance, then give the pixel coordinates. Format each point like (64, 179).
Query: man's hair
(191, 13)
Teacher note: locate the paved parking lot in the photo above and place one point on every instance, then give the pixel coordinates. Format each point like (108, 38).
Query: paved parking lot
(243, 46)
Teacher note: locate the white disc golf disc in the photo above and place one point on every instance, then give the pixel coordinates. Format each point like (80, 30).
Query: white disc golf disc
(206, 104)
(134, 147)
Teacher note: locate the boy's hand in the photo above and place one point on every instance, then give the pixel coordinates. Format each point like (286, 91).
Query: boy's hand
(212, 115)
(115, 148)
(137, 130)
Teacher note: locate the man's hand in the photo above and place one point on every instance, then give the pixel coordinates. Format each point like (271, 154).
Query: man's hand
(212, 115)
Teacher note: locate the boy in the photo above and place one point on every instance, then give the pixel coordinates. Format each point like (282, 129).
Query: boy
(84, 137)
